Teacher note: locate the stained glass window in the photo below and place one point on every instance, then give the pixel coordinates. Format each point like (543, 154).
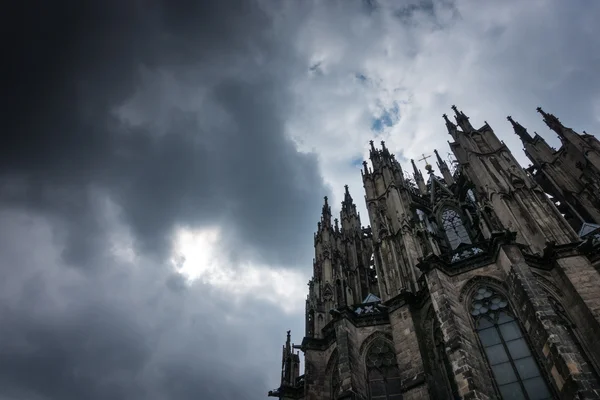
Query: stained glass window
(456, 233)
(515, 370)
(383, 372)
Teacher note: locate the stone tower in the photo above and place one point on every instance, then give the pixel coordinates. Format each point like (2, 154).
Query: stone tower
(478, 281)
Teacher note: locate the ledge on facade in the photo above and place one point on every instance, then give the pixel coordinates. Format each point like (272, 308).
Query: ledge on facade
(553, 252)
(468, 256)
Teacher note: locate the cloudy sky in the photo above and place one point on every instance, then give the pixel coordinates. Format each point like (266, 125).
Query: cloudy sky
(164, 163)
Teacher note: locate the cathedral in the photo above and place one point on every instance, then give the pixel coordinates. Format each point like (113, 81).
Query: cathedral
(477, 280)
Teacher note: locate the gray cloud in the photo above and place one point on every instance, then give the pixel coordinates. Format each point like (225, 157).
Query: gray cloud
(94, 118)
(123, 331)
(77, 65)
(125, 120)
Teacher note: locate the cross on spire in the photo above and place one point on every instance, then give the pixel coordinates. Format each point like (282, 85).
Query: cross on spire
(424, 159)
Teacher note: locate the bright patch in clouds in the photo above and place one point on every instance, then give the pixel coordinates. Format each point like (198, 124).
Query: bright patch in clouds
(196, 256)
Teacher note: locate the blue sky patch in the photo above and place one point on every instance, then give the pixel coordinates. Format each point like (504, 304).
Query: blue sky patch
(388, 118)
(357, 162)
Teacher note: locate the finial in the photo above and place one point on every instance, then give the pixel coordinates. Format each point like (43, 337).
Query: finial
(365, 167)
(449, 124)
(454, 108)
(383, 144)
(325, 200)
(372, 145)
(346, 188)
(520, 130)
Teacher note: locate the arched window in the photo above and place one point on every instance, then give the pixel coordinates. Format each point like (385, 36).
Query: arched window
(515, 370)
(382, 372)
(455, 230)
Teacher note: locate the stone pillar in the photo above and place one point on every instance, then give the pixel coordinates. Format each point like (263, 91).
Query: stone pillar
(468, 366)
(408, 355)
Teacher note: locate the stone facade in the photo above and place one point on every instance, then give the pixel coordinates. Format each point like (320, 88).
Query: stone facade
(480, 282)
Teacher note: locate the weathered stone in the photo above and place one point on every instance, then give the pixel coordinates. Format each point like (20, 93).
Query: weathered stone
(407, 293)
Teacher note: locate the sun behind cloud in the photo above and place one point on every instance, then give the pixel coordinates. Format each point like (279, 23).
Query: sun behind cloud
(195, 255)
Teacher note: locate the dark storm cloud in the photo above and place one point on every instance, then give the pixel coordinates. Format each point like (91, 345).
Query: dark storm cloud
(89, 120)
(124, 333)
(73, 65)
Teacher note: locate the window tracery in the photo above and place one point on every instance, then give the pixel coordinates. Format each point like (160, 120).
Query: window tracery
(514, 368)
(383, 373)
(455, 230)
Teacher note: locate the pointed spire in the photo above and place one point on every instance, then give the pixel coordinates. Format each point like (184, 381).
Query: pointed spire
(441, 163)
(415, 169)
(347, 197)
(444, 169)
(462, 120)
(449, 124)
(375, 156)
(326, 214)
(419, 178)
(520, 130)
(552, 122)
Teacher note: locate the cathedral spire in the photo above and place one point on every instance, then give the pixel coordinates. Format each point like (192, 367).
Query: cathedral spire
(444, 169)
(552, 122)
(418, 175)
(347, 197)
(449, 124)
(349, 217)
(326, 213)
(520, 130)
(462, 120)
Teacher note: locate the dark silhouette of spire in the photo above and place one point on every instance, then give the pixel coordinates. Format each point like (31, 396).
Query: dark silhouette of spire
(552, 122)
(443, 166)
(418, 175)
(520, 130)
(326, 213)
(462, 120)
(449, 124)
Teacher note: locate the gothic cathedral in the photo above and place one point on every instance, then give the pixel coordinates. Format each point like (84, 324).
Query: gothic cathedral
(478, 281)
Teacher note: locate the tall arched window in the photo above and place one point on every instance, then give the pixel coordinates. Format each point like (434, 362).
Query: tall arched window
(515, 370)
(383, 373)
(455, 230)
